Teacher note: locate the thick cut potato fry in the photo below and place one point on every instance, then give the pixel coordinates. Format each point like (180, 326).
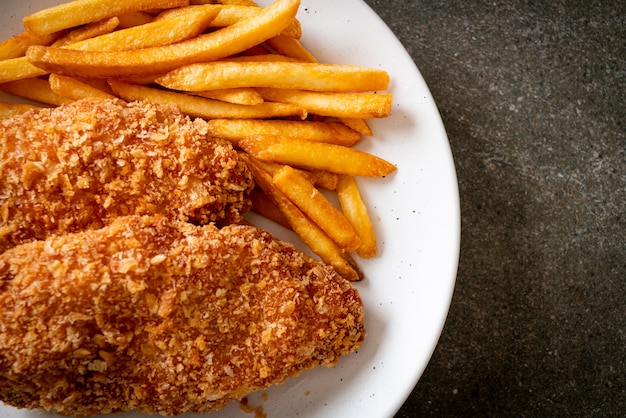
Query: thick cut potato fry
(8, 109)
(330, 132)
(189, 22)
(80, 12)
(355, 211)
(290, 47)
(75, 89)
(202, 107)
(316, 156)
(293, 48)
(358, 125)
(317, 207)
(273, 168)
(230, 14)
(325, 179)
(311, 234)
(17, 45)
(340, 105)
(17, 69)
(283, 75)
(131, 19)
(88, 31)
(263, 57)
(244, 96)
(35, 89)
(222, 43)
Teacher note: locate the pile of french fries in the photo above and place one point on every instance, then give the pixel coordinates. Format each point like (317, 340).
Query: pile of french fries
(242, 68)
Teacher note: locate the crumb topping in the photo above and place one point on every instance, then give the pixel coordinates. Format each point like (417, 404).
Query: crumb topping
(165, 317)
(79, 165)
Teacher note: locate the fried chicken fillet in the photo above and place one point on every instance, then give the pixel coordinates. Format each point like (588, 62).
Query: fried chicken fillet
(165, 317)
(79, 165)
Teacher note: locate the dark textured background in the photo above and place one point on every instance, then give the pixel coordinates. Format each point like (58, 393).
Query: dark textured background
(533, 97)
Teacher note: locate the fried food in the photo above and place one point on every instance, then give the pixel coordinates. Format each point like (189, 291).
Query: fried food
(165, 317)
(80, 165)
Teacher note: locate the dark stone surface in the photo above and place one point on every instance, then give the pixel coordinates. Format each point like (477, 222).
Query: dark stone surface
(533, 96)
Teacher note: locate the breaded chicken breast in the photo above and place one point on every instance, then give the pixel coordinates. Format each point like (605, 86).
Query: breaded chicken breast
(79, 165)
(165, 317)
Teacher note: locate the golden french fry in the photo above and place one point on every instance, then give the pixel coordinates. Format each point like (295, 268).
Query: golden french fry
(131, 19)
(294, 30)
(17, 45)
(316, 156)
(261, 57)
(291, 47)
(202, 107)
(311, 234)
(8, 109)
(231, 14)
(273, 168)
(325, 179)
(282, 75)
(317, 207)
(80, 12)
(75, 89)
(358, 125)
(17, 69)
(340, 105)
(222, 43)
(88, 31)
(330, 132)
(239, 2)
(244, 96)
(35, 89)
(355, 211)
(187, 23)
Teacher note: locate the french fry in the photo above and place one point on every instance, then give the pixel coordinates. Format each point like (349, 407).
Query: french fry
(317, 207)
(273, 168)
(261, 57)
(187, 23)
(330, 132)
(17, 45)
(311, 234)
(355, 211)
(358, 125)
(202, 107)
(244, 96)
(282, 75)
(325, 179)
(20, 68)
(88, 31)
(316, 156)
(291, 47)
(131, 19)
(35, 89)
(80, 12)
(8, 109)
(75, 89)
(230, 14)
(340, 105)
(222, 43)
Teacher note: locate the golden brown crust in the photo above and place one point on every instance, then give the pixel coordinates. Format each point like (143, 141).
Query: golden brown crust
(82, 164)
(163, 316)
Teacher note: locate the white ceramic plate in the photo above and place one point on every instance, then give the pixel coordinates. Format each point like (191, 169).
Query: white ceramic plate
(408, 287)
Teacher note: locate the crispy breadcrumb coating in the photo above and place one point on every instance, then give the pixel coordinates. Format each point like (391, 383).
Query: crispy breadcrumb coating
(165, 317)
(79, 165)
